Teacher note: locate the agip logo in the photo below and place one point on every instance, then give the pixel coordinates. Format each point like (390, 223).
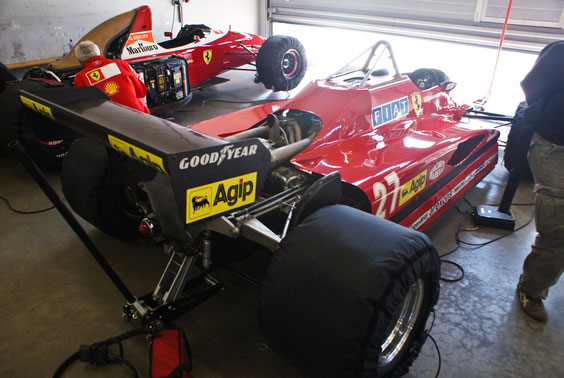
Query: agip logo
(412, 187)
(220, 196)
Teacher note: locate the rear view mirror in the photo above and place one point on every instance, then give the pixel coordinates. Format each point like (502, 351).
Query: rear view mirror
(448, 86)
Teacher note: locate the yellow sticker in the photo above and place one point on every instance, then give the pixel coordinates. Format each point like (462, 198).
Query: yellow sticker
(111, 88)
(136, 153)
(207, 56)
(412, 187)
(416, 101)
(37, 107)
(220, 196)
(95, 75)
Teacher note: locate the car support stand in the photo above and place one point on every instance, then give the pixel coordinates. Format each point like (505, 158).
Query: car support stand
(154, 309)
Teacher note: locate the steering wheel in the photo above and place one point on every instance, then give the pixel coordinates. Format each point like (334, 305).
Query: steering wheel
(425, 78)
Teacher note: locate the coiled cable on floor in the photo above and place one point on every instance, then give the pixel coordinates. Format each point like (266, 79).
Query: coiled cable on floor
(460, 242)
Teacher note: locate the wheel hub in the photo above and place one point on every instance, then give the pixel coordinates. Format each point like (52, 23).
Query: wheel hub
(403, 323)
(290, 63)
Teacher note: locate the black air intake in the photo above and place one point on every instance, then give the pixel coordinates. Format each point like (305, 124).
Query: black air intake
(464, 149)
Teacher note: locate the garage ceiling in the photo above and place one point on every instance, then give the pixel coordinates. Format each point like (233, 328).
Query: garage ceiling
(532, 24)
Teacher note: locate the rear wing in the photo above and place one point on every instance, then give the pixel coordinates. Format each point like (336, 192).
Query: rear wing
(209, 176)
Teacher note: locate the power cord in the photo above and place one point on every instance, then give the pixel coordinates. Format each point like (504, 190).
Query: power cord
(460, 242)
(99, 354)
(428, 333)
(24, 211)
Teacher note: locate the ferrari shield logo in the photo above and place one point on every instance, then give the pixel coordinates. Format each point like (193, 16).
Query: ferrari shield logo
(207, 56)
(416, 101)
(95, 75)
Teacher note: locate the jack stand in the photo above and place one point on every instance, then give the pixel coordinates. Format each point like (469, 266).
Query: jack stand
(500, 217)
(37, 175)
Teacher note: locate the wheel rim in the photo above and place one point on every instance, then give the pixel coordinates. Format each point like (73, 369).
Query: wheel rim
(290, 63)
(403, 324)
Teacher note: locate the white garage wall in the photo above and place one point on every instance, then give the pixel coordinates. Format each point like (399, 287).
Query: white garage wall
(39, 30)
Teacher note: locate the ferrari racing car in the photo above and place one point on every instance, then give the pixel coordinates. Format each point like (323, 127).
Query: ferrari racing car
(346, 293)
(193, 59)
(171, 70)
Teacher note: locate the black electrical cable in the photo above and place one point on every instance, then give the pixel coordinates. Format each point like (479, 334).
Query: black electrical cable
(498, 238)
(73, 357)
(428, 333)
(120, 359)
(438, 353)
(24, 211)
(459, 241)
(105, 344)
(459, 278)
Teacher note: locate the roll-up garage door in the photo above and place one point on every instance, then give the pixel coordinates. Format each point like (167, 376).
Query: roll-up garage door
(532, 23)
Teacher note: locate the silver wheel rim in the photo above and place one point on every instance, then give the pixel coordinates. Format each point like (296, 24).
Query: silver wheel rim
(403, 324)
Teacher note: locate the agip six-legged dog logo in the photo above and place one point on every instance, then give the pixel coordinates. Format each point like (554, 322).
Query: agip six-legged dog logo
(199, 202)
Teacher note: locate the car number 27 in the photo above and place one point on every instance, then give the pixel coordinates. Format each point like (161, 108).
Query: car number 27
(381, 191)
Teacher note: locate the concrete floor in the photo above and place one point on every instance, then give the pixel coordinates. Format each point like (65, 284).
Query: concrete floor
(56, 297)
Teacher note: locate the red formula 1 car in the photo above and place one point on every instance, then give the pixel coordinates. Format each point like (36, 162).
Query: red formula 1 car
(399, 141)
(170, 70)
(346, 293)
(194, 59)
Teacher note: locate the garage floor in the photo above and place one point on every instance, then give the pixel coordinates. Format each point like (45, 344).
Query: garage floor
(56, 297)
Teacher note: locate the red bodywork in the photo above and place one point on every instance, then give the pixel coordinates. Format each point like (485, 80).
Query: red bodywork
(410, 168)
(225, 50)
(130, 37)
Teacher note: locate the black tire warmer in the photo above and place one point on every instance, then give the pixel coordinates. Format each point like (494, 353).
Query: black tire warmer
(332, 288)
(269, 60)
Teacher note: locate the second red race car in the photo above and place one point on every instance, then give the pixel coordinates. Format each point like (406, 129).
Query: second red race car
(193, 59)
(170, 69)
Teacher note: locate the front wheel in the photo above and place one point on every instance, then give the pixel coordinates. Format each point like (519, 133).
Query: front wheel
(281, 63)
(349, 294)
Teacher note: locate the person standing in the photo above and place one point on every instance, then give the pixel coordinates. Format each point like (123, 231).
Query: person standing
(114, 77)
(544, 91)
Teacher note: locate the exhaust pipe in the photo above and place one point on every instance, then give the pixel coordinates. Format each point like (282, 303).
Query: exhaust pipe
(248, 134)
(285, 153)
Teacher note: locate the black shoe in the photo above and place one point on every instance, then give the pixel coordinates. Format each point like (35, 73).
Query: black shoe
(532, 306)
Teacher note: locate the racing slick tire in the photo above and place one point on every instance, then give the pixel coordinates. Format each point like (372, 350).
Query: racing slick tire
(349, 294)
(90, 188)
(281, 63)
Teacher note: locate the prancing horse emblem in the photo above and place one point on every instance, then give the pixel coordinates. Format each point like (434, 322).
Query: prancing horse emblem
(207, 56)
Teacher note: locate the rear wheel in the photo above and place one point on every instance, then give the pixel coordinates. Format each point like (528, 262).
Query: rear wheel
(281, 63)
(94, 194)
(350, 297)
